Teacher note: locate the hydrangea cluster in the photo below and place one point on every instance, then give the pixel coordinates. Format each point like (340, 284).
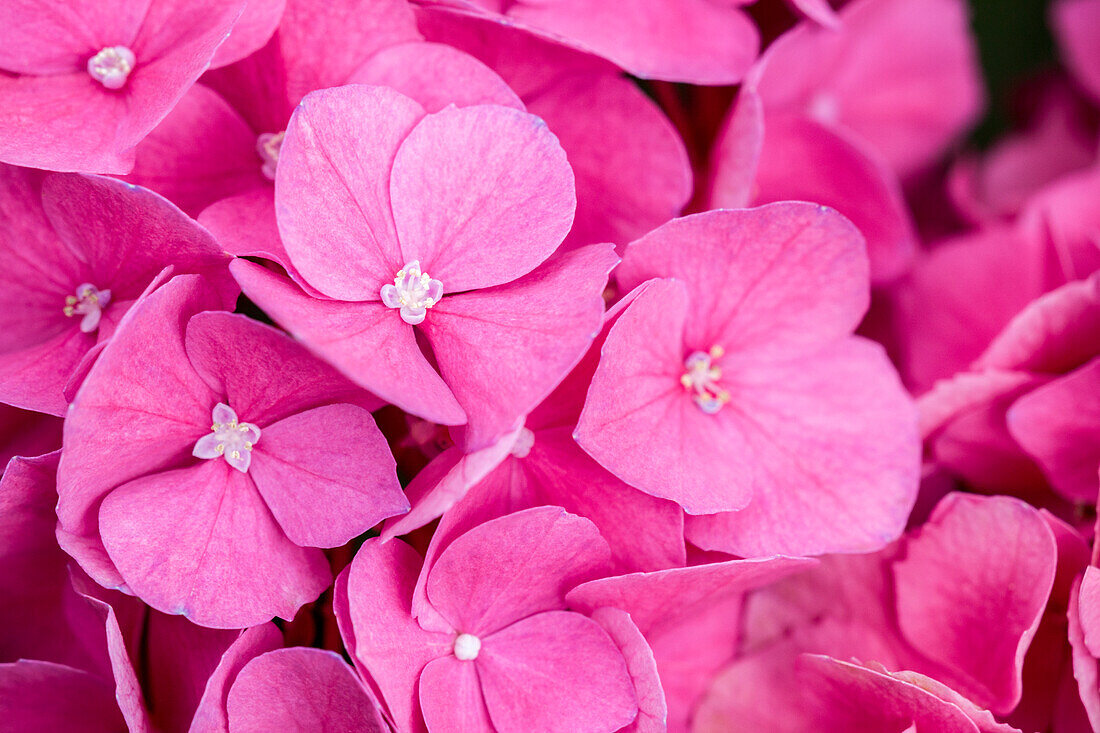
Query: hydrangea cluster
(431, 366)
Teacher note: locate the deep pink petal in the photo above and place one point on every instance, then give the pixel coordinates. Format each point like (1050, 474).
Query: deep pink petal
(366, 341)
(1059, 425)
(511, 567)
(556, 671)
(736, 152)
(470, 175)
(388, 642)
(652, 710)
(332, 188)
(526, 335)
(1075, 23)
(300, 689)
(158, 419)
(971, 589)
(253, 28)
(200, 542)
(211, 712)
(777, 280)
(322, 494)
(837, 454)
(435, 75)
(450, 697)
(203, 151)
(45, 696)
(1086, 668)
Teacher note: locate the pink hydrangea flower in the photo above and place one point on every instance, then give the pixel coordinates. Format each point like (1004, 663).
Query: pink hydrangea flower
(942, 620)
(495, 649)
(890, 90)
(79, 250)
(694, 41)
(539, 463)
(85, 82)
(236, 465)
(586, 103)
(735, 388)
(407, 204)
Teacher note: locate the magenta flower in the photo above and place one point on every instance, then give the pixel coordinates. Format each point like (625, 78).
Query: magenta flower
(539, 464)
(893, 86)
(694, 41)
(735, 388)
(79, 250)
(1076, 24)
(942, 620)
(585, 102)
(402, 199)
(85, 83)
(494, 647)
(237, 464)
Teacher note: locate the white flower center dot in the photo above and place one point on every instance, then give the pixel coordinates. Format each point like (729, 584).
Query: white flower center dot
(228, 438)
(112, 66)
(524, 442)
(700, 378)
(89, 302)
(413, 291)
(467, 647)
(268, 146)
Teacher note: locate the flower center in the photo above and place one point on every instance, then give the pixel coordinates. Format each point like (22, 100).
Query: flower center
(112, 66)
(524, 442)
(228, 438)
(467, 647)
(268, 145)
(413, 291)
(89, 302)
(700, 378)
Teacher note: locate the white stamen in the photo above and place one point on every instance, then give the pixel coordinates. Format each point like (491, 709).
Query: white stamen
(89, 302)
(112, 66)
(467, 647)
(413, 291)
(268, 146)
(701, 379)
(524, 442)
(228, 438)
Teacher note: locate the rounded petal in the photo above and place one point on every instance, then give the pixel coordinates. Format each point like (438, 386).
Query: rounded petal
(1075, 22)
(44, 696)
(471, 175)
(253, 28)
(300, 689)
(200, 542)
(211, 711)
(652, 709)
(450, 697)
(321, 493)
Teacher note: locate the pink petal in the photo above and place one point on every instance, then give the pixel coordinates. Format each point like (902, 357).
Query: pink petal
(332, 188)
(200, 542)
(44, 696)
(53, 38)
(1090, 619)
(321, 494)
(971, 589)
(511, 567)
(253, 28)
(211, 712)
(1061, 218)
(116, 396)
(1075, 23)
(388, 642)
(300, 689)
(652, 710)
(696, 41)
(837, 455)
(201, 152)
(471, 175)
(640, 424)
(819, 11)
(450, 697)
(436, 76)
(736, 152)
(365, 341)
(1057, 424)
(778, 280)
(527, 335)
(33, 377)
(1086, 668)
(555, 671)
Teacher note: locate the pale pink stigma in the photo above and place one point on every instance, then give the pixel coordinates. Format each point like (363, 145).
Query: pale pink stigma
(228, 438)
(524, 442)
(701, 377)
(413, 291)
(112, 66)
(89, 302)
(268, 145)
